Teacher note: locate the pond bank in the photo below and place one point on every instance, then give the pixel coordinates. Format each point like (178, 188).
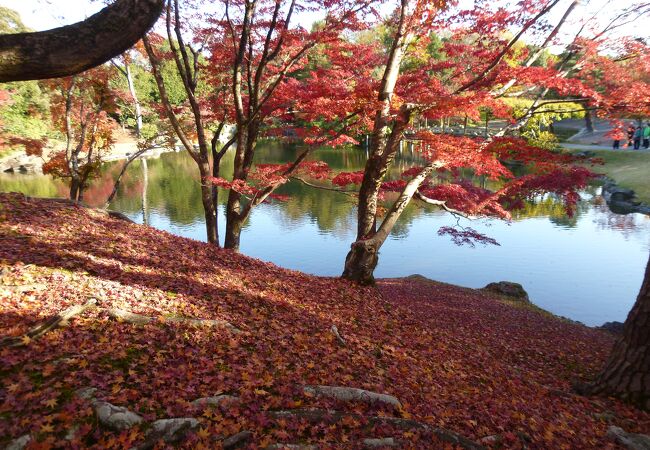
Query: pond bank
(456, 362)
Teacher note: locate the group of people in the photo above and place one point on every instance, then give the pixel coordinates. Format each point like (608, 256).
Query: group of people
(637, 136)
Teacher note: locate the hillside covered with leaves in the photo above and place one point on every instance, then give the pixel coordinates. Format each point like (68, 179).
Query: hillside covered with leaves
(162, 321)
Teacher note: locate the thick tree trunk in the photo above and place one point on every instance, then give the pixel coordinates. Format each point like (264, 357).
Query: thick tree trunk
(74, 48)
(208, 205)
(589, 123)
(234, 223)
(627, 372)
(361, 261)
(75, 189)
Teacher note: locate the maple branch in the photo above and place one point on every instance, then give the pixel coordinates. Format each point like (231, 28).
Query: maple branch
(442, 204)
(325, 188)
(118, 67)
(402, 201)
(503, 52)
(126, 165)
(535, 56)
(185, 71)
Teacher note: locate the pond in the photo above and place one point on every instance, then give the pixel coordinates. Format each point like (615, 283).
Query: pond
(588, 267)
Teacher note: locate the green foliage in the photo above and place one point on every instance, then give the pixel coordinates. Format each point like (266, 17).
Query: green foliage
(27, 114)
(10, 22)
(538, 129)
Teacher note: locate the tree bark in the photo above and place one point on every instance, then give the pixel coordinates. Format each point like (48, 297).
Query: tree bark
(627, 372)
(208, 204)
(71, 49)
(361, 261)
(589, 123)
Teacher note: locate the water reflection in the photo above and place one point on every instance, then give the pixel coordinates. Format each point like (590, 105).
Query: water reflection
(587, 267)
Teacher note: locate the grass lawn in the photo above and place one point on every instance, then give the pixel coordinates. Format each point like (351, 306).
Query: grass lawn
(630, 169)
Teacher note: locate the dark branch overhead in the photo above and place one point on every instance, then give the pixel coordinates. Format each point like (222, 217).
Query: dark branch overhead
(74, 48)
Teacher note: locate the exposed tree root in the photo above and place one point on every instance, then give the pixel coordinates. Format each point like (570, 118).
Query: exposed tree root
(140, 319)
(349, 394)
(62, 319)
(53, 322)
(337, 335)
(315, 415)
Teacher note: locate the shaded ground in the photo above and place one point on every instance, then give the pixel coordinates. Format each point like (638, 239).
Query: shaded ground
(454, 357)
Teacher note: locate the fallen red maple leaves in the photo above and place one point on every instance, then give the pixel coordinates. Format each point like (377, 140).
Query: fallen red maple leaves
(454, 357)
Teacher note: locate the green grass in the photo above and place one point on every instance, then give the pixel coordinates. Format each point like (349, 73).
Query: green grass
(629, 169)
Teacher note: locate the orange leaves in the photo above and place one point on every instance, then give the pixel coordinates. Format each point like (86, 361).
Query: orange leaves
(452, 356)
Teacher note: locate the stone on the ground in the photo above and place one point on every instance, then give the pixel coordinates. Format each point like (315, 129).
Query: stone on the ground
(291, 447)
(86, 393)
(216, 400)
(116, 418)
(612, 327)
(236, 440)
(169, 430)
(348, 394)
(19, 443)
(509, 289)
(490, 440)
(380, 442)
(632, 441)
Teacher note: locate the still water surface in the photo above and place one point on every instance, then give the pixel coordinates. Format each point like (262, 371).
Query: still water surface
(588, 267)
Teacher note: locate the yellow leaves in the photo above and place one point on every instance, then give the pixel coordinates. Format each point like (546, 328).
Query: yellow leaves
(13, 387)
(51, 403)
(260, 392)
(203, 433)
(25, 340)
(47, 428)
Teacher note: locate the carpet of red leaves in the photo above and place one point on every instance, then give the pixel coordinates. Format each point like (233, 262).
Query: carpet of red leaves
(454, 357)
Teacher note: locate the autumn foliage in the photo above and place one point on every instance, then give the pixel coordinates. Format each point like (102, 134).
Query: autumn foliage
(455, 358)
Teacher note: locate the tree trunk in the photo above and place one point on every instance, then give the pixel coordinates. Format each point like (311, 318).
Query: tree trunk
(145, 187)
(361, 261)
(208, 205)
(74, 189)
(589, 122)
(234, 223)
(627, 372)
(74, 48)
(136, 102)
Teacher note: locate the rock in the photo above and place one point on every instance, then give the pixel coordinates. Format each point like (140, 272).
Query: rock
(606, 416)
(622, 201)
(632, 441)
(380, 442)
(509, 289)
(236, 440)
(71, 432)
(171, 431)
(86, 393)
(585, 154)
(19, 443)
(348, 394)
(493, 439)
(612, 327)
(214, 401)
(291, 447)
(116, 418)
